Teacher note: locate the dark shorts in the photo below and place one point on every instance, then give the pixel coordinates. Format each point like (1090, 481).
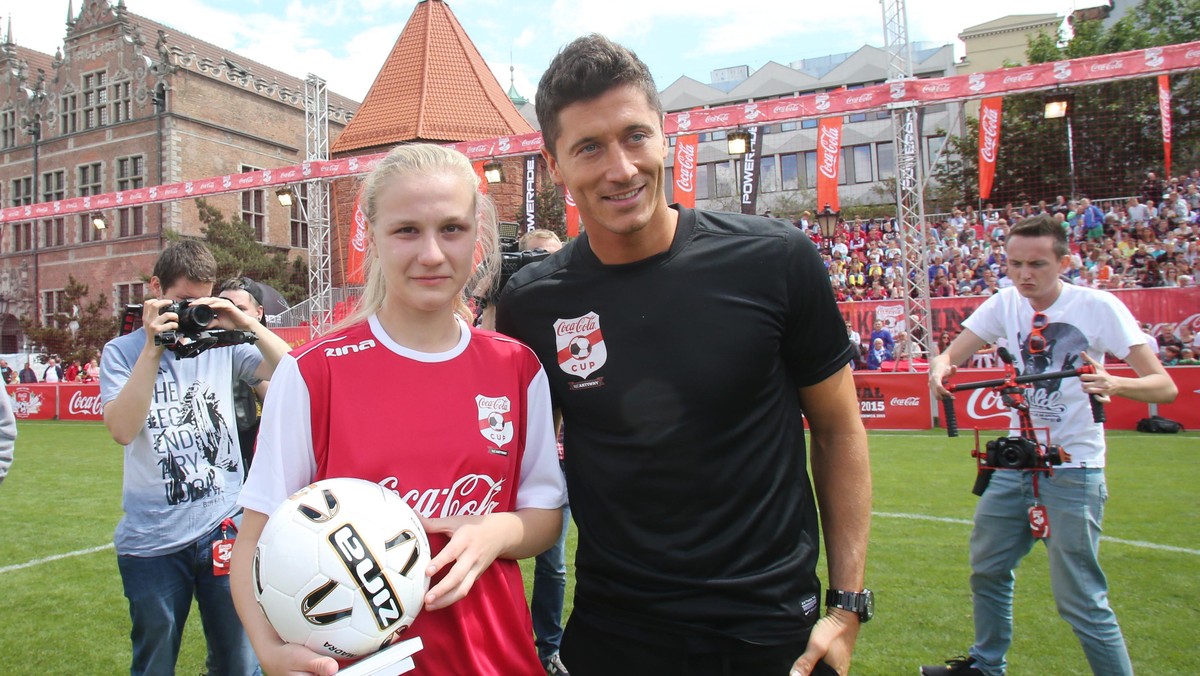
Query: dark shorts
(588, 650)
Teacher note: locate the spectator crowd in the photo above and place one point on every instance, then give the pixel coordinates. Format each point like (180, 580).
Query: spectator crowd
(1150, 240)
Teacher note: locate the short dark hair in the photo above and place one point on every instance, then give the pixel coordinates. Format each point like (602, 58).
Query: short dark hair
(1043, 226)
(186, 259)
(585, 69)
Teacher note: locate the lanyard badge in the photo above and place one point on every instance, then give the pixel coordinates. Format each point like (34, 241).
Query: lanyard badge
(1039, 521)
(222, 550)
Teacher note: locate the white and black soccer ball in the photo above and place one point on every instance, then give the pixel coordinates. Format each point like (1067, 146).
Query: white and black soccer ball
(340, 567)
(580, 347)
(496, 421)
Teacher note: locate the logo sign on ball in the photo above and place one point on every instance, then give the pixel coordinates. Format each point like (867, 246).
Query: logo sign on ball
(340, 567)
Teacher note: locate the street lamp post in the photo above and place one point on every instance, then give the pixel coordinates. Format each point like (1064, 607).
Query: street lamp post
(1058, 104)
(738, 144)
(33, 127)
(827, 220)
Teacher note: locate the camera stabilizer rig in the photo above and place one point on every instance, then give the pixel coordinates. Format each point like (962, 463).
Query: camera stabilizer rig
(1020, 452)
(192, 337)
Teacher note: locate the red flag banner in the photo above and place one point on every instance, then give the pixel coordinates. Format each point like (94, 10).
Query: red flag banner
(483, 184)
(1164, 108)
(829, 154)
(356, 253)
(685, 171)
(572, 213)
(989, 143)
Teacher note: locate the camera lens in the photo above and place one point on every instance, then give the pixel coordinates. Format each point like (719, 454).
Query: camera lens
(196, 317)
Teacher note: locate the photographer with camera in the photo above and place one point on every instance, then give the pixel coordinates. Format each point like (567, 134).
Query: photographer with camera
(182, 471)
(1050, 326)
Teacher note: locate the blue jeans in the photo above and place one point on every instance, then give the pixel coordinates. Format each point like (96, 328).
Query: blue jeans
(1074, 499)
(160, 590)
(549, 587)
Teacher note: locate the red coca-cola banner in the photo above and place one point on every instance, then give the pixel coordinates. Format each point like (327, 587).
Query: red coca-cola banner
(356, 252)
(34, 402)
(1186, 407)
(572, 213)
(893, 401)
(1137, 63)
(1164, 109)
(829, 154)
(989, 143)
(77, 401)
(685, 170)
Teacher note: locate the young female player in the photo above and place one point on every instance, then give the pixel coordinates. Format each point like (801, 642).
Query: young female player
(455, 420)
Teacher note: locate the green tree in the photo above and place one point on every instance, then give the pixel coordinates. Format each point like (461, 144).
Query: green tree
(549, 209)
(79, 331)
(1116, 128)
(238, 254)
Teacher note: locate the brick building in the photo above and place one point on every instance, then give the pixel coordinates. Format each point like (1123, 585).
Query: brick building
(127, 102)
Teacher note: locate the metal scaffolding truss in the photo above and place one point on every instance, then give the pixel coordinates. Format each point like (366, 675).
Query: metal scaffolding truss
(910, 207)
(316, 147)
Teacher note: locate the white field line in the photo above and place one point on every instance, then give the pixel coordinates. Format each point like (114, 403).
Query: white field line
(56, 557)
(883, 515)
(1103, 538)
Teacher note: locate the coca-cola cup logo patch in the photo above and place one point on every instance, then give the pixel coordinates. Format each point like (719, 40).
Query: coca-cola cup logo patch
(581, 349)
(495, 419)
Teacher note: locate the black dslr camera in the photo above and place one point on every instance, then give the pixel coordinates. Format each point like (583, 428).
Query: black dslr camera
(193, 335)
(1021, 453)
(513, 259)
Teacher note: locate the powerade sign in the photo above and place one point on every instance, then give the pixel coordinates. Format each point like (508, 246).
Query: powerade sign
(530, 192)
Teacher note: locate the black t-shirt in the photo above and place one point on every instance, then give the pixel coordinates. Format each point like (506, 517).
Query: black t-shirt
(677, 378)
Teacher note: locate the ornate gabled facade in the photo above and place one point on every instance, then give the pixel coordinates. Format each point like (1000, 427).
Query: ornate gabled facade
(128, 102)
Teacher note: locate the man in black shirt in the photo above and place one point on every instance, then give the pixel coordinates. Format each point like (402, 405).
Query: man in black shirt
(682, 347)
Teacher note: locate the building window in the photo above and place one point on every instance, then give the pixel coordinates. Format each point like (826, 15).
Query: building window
(90, 183)
(296, 221)
(789, 170)
(8, 128)
(22, 191)
(131, 174)
(886, 159)
(810, 169)
(933, 146)
(122, 102)
(703, 191)
(809, 124)
(67, 119)
(54, 188)
(127, 294)
(22, 236)
(768, 180)
(862, 164)
(54, 308)
(95, 100)
(254, 208)
(724, 178)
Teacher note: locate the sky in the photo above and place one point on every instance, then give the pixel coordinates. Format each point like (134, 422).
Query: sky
(346, 41)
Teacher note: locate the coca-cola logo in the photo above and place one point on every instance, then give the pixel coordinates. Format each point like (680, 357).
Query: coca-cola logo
(581, 325)
(861, 99)
(717, 118)
(359, 240)
(990, 124)
(1190, 55)
(80, 404)
(470, 495)
(984, 404)
(1154, 57)
(1027, 76)
(786, 108)
(1107, 67)
(1164, 109)
(830, 144)
(935, 88)
(685, 167)
(822, 102)
(906, 401)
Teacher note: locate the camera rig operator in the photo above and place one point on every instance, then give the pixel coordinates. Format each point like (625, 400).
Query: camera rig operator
(1050, 326)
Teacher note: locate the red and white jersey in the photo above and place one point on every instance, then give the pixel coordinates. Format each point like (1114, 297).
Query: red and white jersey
(463, 432)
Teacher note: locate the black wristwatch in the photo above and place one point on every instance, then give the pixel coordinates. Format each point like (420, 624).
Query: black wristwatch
(860, 603)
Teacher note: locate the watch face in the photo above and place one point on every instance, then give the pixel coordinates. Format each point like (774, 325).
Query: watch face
(868, 607)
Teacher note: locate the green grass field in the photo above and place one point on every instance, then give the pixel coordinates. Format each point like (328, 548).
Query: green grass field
(68, 615)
